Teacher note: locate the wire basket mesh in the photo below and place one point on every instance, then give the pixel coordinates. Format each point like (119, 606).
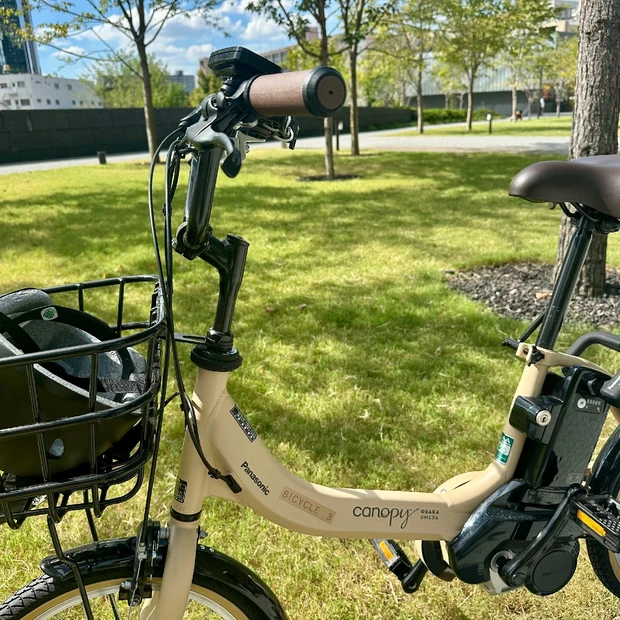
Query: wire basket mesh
(106, 439)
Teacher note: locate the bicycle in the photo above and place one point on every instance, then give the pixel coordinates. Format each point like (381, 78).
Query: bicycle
(516, 524)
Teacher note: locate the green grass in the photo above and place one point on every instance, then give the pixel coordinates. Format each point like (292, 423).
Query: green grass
(387, 378)
(543, 127)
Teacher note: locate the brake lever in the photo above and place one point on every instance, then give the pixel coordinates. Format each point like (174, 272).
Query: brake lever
(202, 136)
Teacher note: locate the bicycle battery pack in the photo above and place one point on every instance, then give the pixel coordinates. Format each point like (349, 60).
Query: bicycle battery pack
(557, 451)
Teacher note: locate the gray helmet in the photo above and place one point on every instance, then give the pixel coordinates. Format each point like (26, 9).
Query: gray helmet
(30, 322)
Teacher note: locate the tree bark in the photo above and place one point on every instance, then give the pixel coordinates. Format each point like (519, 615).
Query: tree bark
(595, 120)
(147, 95)
(420, 104)
(353, 111)
(470, 101)
(327, 123)
(529, 108)
(514, 103)
(558, 107)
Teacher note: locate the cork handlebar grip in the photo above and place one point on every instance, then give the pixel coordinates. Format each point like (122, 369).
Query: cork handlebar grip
(319, 92)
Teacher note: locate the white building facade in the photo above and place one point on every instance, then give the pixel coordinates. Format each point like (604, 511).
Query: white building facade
(26, 91)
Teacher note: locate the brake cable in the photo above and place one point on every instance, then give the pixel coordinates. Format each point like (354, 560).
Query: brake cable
(166, 276)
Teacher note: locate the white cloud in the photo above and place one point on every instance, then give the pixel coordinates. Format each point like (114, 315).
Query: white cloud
(239, 7)
(114, 37)
(260, 28)
(70, 52)
(184, 39)
(182, 58)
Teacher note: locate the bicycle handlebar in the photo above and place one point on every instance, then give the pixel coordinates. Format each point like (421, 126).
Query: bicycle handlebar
(319, 92)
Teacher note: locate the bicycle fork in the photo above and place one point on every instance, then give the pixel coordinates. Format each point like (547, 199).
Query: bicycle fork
(178, 571)
(185, 515)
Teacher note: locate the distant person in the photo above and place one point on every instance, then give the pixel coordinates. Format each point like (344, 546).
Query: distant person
(541, 107)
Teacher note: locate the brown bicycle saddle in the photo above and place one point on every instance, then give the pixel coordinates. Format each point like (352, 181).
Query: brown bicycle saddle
(592, 181)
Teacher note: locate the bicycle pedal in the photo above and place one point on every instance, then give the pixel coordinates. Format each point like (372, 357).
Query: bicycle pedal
(599, 517)
(396, 561)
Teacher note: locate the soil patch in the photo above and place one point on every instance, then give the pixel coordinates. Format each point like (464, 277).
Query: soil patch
(324, 177)
(522, 291)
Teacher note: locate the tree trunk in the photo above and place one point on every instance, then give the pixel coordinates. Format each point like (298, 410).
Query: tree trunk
(558, 107)
(595, 120)
(354, 113)
(447, 98)
(327, 123)
(147, 94)
(420, 104)
(461, 97)
(514, 103)
(470, 101)
(529, 108)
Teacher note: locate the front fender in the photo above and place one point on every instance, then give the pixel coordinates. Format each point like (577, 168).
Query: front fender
(119, 553)
(606, 470)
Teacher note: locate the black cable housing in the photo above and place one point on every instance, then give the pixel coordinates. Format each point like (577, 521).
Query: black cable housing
(166, 275)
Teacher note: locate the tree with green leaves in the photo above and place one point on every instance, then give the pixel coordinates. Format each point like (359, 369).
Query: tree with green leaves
(451, 80)
(118, 86)
(295, 18)
(533, 75)
(359, 19)
(473, 33)
(382, 81)
(297, 59)
(207, 85)
(562, 69)
(407, 37)
(521, 49)
(139, 21)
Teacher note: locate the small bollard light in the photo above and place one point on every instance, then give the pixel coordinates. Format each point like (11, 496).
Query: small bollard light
(490, 119)
(102, 157)
(339, 128)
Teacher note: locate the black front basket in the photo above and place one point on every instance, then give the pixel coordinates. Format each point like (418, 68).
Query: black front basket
(116, 439)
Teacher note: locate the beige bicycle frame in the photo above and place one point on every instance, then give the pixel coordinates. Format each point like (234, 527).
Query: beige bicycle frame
(232, 446)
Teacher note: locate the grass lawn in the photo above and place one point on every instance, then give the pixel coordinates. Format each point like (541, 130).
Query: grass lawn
(387, 378)
(547, 126)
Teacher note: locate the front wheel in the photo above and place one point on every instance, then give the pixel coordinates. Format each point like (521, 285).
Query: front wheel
(46, 598)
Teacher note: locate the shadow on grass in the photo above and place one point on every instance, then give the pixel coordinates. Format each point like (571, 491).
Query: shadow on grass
(417, 352)
(114, 220)
(421, 342)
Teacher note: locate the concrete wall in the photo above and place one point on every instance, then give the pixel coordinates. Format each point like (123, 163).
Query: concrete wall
(54, 134)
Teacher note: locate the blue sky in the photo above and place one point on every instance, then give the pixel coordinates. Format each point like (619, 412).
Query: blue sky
(182, 41)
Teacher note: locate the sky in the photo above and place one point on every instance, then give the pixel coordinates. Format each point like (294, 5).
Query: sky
(181, 43)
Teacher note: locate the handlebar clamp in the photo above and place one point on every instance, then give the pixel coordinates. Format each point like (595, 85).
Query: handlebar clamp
(179, 245)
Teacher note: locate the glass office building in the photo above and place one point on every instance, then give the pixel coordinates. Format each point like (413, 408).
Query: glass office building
(17, 56)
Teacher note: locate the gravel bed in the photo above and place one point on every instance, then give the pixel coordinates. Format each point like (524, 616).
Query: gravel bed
(522, 291)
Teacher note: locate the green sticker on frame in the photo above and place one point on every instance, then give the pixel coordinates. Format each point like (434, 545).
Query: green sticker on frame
(503, 449)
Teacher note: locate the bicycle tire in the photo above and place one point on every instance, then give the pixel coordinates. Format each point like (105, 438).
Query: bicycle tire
(606, 564)
(43, 597)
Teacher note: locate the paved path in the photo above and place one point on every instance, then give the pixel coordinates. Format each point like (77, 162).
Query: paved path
(68, 163)
(372, 140)
(387, 141)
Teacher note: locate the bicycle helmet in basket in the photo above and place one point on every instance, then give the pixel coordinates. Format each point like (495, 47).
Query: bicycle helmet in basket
(30, 322)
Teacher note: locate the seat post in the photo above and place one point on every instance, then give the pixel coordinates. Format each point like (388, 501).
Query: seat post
(565, 284)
